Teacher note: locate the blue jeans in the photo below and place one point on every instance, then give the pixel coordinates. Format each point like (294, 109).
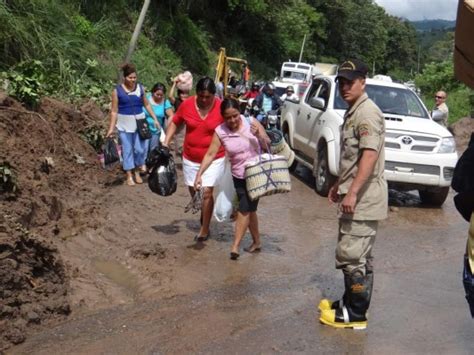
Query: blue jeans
(133, 150)
(152, 143)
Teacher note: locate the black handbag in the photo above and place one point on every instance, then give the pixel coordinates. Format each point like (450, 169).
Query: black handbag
(143, 128)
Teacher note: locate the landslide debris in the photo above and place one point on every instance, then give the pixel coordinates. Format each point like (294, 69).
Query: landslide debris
(33, 279)
(50, 190)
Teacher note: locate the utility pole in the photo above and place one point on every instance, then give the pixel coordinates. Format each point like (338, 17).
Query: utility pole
(136, 33)
(302, 47)
(418, 60)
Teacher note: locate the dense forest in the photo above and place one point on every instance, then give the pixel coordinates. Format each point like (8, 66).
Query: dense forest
(72, 48)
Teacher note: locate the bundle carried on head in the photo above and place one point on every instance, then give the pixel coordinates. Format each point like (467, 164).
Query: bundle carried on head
(185, 81)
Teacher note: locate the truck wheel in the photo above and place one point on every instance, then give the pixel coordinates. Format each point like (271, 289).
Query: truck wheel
(286, 136)
(323, 178)
(434, 197)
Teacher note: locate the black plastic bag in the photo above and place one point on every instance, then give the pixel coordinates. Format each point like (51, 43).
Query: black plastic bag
(157, 156)
(463, 176)
(111, 154)
(463, 182)
(163, 179)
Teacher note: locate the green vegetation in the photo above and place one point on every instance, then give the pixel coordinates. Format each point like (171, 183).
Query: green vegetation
(25, 82)
(94, 135)
(430, 25)
(72, 49)
(440, 76)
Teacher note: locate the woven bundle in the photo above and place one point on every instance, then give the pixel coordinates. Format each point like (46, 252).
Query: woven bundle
(185, 81)
(288, 153)
(279, 146)
(267, 177)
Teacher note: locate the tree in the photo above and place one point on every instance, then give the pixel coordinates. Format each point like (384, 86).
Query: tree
(136, 32)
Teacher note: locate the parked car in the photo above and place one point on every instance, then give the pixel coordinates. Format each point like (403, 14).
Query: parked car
(419, 153)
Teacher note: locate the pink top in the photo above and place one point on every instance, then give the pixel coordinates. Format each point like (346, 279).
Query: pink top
(240, 146)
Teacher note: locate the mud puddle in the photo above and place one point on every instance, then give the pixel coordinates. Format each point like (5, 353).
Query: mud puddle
(199, 301)
(118, 274)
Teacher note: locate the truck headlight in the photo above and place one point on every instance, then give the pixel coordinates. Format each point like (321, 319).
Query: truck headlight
(448, 145)
(272, 119)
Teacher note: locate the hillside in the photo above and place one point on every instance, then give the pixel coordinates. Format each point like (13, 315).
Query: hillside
(77, 45)
(430, 25)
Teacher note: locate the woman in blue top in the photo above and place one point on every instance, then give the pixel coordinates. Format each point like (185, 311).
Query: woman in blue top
(128, 100)
(163, 111)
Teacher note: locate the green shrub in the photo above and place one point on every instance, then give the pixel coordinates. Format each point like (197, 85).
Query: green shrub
(94, 135)
(26, 82)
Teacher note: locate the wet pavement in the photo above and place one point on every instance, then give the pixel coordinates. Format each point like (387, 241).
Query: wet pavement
(266, 302)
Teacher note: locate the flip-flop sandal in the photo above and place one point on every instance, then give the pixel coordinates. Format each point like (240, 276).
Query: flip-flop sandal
(234, 256)
(254, 250)
(201, 238)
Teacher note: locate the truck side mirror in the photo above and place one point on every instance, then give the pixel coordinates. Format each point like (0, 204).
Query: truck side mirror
(317, 102)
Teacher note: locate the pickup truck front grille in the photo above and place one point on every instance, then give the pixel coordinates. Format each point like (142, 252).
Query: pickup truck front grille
(412, 168)
(406, 141)
(422, 148)
(388, 118)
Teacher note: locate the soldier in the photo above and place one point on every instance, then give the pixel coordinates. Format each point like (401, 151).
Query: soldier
(361, 191)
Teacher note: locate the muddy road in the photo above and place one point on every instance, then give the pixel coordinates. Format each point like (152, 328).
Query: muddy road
(141, 285)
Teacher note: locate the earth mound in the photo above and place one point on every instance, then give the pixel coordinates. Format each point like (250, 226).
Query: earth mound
(50, 189)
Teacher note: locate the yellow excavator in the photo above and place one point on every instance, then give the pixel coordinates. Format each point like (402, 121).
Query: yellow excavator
(223, 69)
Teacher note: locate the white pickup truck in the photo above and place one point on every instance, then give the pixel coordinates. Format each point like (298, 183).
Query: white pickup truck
(299, 75)
(419, 153)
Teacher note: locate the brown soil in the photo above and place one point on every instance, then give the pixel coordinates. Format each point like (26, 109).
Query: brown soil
(462, 131)
(74, 240)
(58, 194)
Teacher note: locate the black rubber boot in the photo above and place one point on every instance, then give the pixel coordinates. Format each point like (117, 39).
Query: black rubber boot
(326, 304)
(370, 285)
(358, 296)
(356, 301)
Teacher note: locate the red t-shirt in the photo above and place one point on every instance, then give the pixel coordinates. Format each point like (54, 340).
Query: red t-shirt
(251, 94)
(199, 132)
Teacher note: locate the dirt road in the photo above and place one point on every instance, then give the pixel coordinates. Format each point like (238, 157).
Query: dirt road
(141, 285)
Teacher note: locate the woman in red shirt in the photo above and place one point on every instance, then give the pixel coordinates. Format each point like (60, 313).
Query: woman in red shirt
(201, 115)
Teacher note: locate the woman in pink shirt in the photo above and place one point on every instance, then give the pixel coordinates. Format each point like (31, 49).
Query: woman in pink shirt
(241, 140)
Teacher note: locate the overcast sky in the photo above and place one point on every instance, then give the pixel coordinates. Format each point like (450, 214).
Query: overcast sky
(415, 10)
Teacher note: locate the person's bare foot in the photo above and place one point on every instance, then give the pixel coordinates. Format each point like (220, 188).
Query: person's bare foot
(138, 178)
(130, 181)
(254, 248)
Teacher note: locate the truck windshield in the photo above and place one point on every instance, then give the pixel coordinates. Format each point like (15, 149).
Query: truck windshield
(280, 91)
(293, 75)
(396, 101)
